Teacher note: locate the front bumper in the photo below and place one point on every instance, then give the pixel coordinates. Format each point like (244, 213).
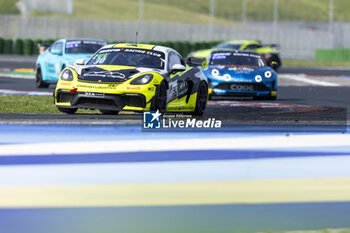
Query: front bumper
(95, 100)
(243, 89)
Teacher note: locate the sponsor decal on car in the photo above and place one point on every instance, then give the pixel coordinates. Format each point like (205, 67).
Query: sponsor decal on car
(106, 74)
(94, 87)
(66, 84)
(133, 88)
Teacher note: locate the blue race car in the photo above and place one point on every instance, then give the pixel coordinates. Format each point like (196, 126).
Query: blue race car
(240, 73)
(61, 54)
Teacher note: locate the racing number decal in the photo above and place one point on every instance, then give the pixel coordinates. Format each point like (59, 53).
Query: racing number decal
(100, 58)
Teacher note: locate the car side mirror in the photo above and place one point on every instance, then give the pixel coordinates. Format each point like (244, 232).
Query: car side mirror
(191, 61)
(177, 68)
(80, 62)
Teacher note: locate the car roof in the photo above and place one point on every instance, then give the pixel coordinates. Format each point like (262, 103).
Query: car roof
(242, 42)
(233, 50)
(159, 48)
(73, 39)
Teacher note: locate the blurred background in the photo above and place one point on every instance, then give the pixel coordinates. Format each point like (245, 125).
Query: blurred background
(300, 27)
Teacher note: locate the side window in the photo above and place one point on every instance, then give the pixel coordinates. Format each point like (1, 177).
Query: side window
(174, 59)
(57, 48)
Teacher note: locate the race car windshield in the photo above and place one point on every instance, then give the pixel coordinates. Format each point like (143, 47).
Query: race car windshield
(83, 46)
(129, 57)
(237, 59)
(229, 46)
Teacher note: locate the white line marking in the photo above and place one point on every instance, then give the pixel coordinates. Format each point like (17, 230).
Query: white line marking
(256, 143)
(17, 76)
(303, 78)
(15, 92)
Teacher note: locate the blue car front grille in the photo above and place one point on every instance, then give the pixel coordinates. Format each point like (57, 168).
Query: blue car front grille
(243, 86)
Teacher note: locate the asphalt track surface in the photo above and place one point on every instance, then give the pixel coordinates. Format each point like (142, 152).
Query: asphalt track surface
(321, 100)
(295, 104)
(13, 62)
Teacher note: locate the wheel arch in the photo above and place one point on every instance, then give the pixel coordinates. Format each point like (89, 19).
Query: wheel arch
(161, 78)
(42, 69)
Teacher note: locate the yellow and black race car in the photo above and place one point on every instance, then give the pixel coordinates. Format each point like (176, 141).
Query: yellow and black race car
(132, 77)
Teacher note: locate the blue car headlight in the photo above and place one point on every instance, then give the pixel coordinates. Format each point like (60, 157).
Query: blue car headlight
(258, 78)
(142, 80)
(67, 75)
(268, 74)
(227, 77)
(215, 72)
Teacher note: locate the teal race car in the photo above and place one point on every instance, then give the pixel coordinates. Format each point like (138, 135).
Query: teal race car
(61, 54)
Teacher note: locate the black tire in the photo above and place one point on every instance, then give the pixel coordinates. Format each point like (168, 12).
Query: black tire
(39, 79)
(67, 110)
(109, 112)
(202, 98)
(160, 101)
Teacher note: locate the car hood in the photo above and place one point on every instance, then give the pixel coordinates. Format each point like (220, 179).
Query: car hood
(73, 57)
(108, 73)
(236, 71)
(237, 74)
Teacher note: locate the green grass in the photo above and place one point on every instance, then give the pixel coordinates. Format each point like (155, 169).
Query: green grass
(302, 63)
(196, 11)
(8, 7)
(154, 11)
(26, 104)
(31, 104)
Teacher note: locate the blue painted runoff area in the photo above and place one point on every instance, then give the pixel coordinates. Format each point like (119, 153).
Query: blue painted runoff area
(19, 134)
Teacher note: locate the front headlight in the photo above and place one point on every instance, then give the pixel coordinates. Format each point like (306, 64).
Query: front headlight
(143, 79)
(268, 74)
(215, 72)
(258, 78)
(67, 75)
(227, 77)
